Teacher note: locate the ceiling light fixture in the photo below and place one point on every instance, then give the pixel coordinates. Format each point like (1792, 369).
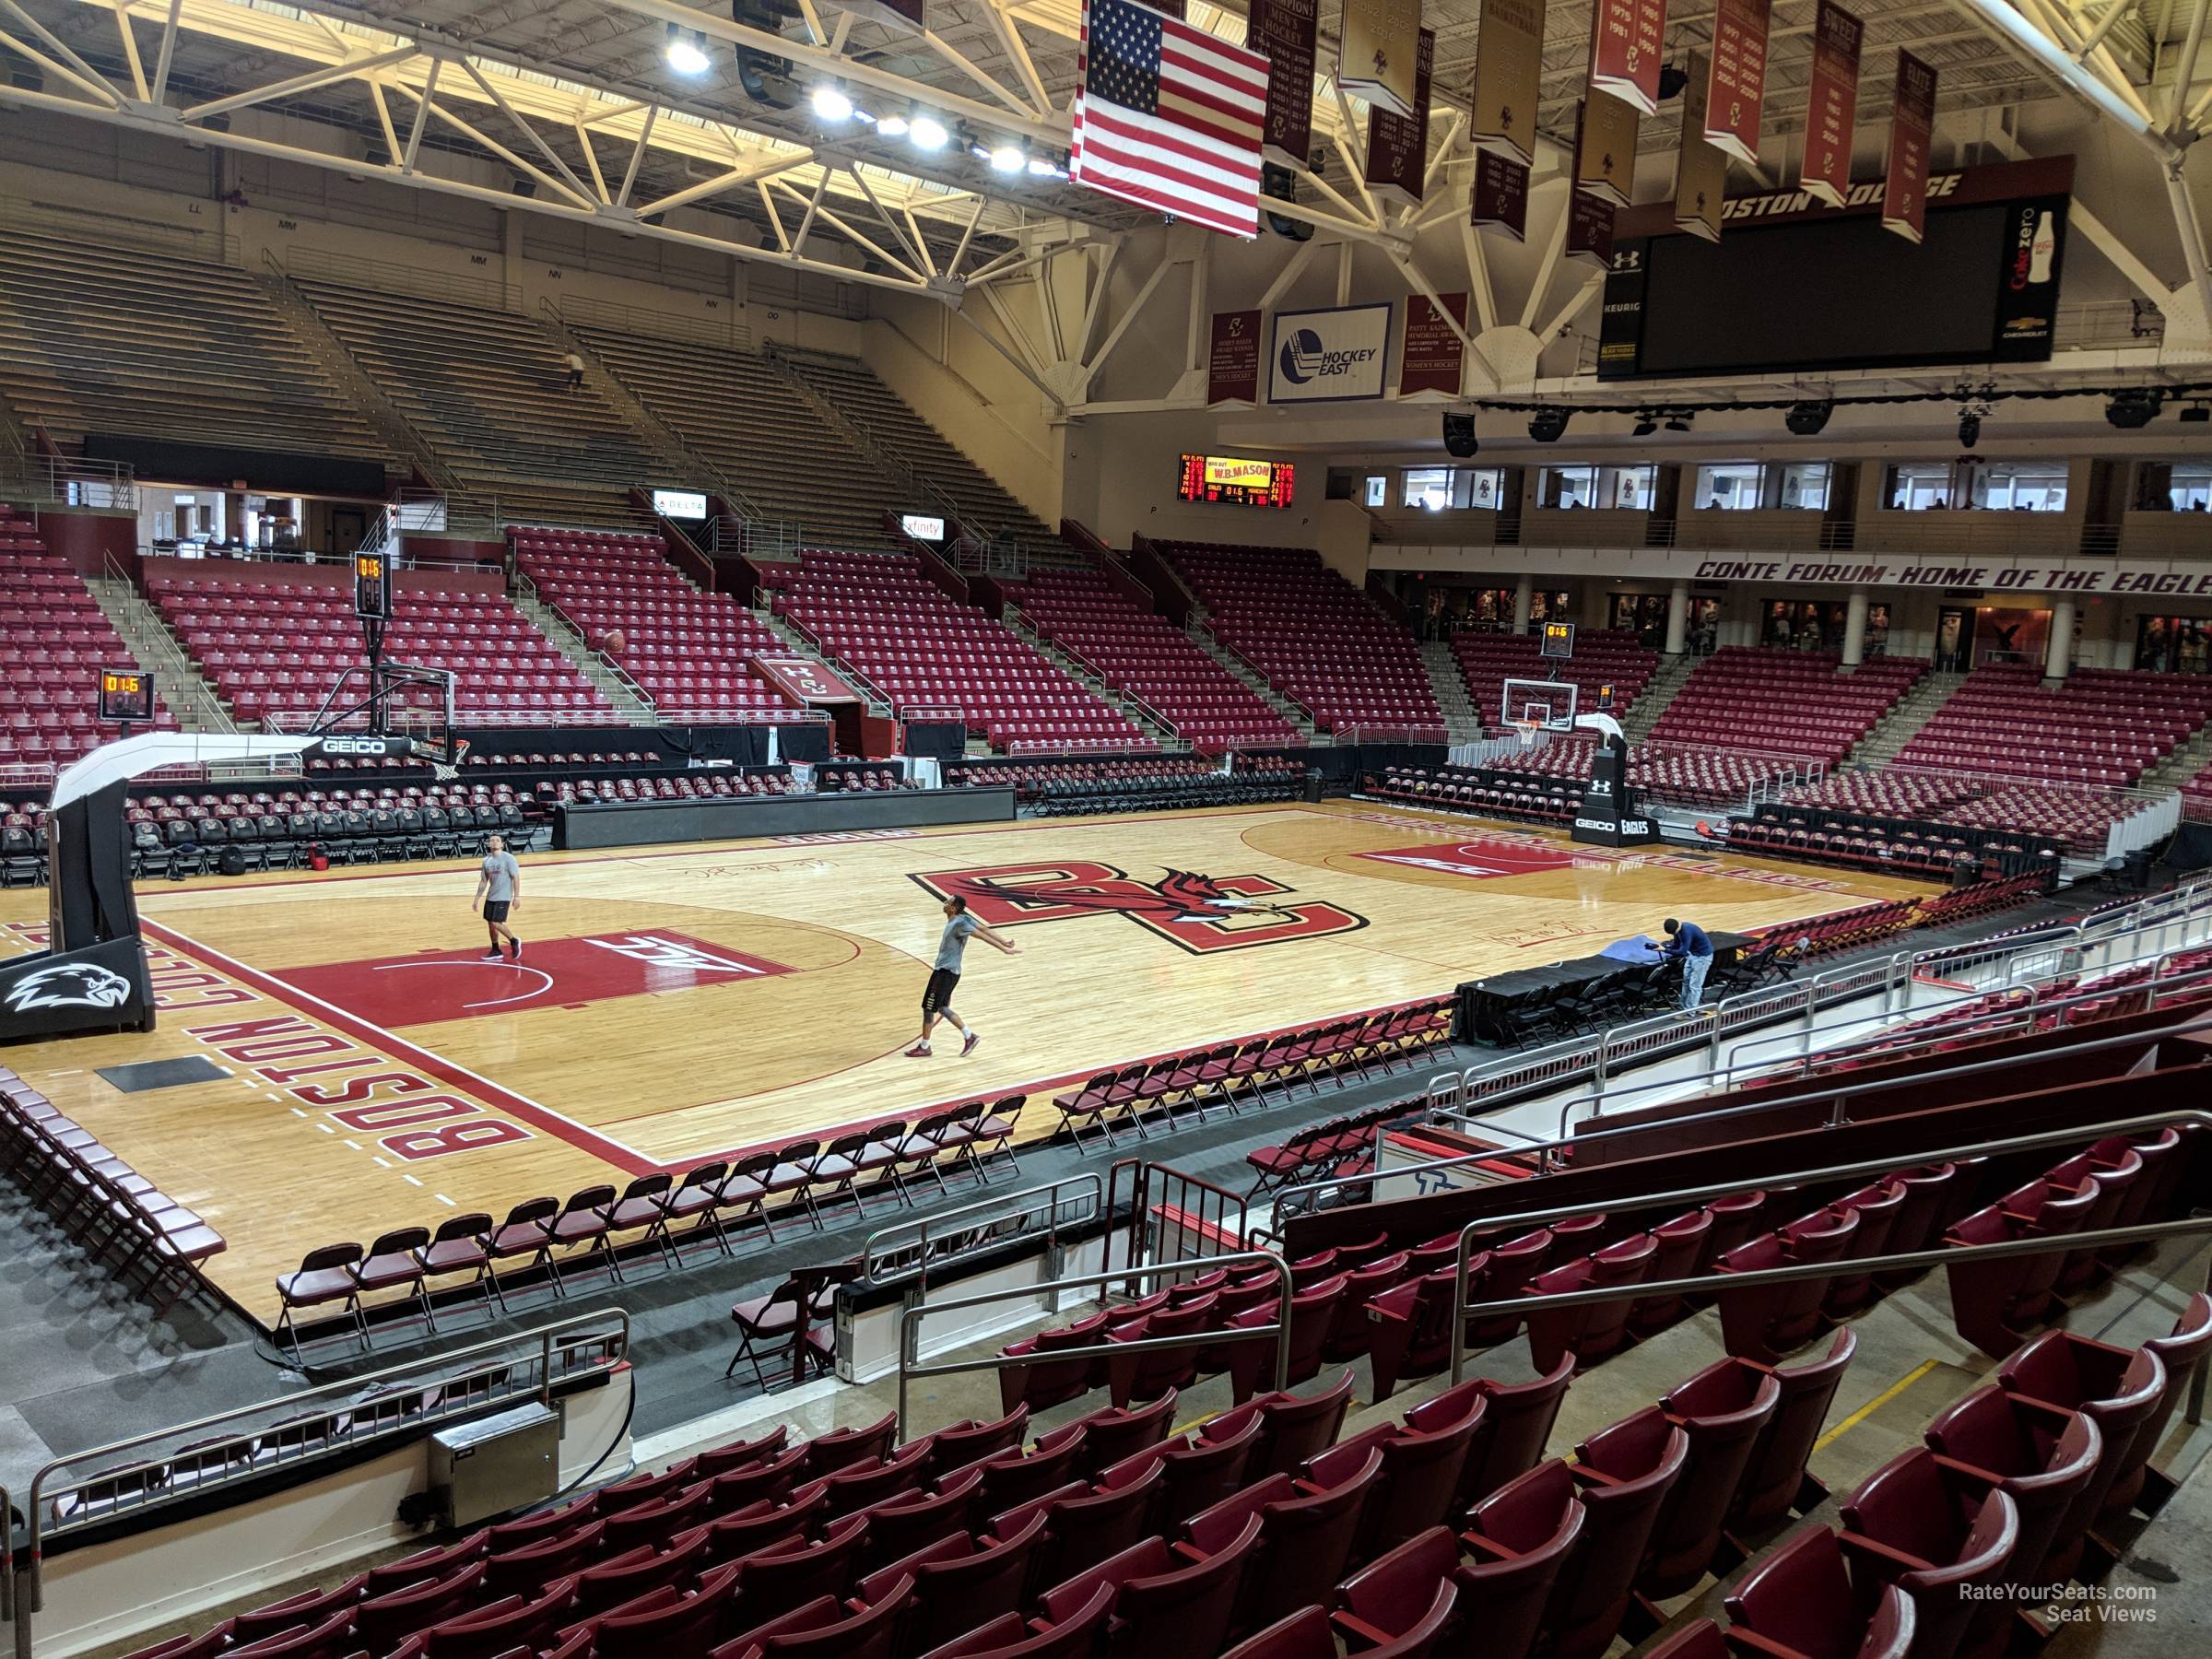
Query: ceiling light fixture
(832, 103)
(687, 51)
(1007, 159)
(927, 132)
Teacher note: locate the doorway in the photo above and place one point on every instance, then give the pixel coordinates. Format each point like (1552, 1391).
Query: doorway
(1953, 639)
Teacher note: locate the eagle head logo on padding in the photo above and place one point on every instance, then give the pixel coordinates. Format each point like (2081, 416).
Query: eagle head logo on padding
(69, 985)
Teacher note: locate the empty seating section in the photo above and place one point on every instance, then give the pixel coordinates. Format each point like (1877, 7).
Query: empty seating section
(1310, 633)
(1144, 655)
(99, 340)
(180, 835)
(922, 648)
(1787, 702)
(1546, 781)
(486, 390)
(2101, 726)
(1061, 788)
(274, 648)
(985, 505)
(686, 649)
(1602, 657)
(2079, 818)
(734, 411)
(2197, 797)
(55, 640)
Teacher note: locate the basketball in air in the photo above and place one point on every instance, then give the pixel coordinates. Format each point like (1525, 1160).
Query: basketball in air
(612, 642)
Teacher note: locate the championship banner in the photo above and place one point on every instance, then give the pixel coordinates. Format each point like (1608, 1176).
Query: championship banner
(1736, 87)
(1378, 42)
(1605, 150)
(1284, 30)
(1700, 170)
(1508, 70)
(1432, 357)
(1332, 355)
(1832, 110)
(1498, 197)
(1397, 146)
(1590, 229)
(1627, 38)
(1912, 121)
(1233, 365)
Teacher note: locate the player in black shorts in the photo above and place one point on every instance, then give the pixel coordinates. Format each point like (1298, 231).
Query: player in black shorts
(936, 997)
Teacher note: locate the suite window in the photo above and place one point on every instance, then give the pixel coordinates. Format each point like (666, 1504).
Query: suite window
(1438, 487)
(1920, 486)
(1804, 487)
(2019, 486)
(2184, 486)
(1730, 486)
(1376, 491)
(1428, 487)
(1561, 488)
(1627, 488)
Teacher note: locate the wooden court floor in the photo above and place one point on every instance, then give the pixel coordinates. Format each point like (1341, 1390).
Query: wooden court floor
(363, 1068)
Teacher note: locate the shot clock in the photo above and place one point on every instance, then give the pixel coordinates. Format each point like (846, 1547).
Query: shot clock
(126, 695)
(372, 587)
(1558, 640)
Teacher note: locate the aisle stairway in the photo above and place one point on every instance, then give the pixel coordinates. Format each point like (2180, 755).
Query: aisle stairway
(2184, 763)
(1203, 637)
(184, 687)
(1661, 689)
(1896, 729)
(617, 689)
(1125, 706)
(1462, 720)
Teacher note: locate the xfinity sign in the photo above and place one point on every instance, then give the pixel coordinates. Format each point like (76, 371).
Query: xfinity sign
(1334, 356)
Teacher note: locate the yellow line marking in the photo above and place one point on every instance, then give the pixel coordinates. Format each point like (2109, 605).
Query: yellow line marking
(1874, 1405)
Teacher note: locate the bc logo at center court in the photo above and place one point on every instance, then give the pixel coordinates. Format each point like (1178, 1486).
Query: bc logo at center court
(1199, 913)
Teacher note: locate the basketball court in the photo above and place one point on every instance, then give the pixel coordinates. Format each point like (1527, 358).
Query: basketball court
(353, 1064)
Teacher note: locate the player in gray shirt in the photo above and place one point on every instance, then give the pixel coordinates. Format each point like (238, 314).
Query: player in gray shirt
(936, 997)
(500, 893)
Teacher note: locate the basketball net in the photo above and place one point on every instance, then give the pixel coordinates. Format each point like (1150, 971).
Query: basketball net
(1525, 730)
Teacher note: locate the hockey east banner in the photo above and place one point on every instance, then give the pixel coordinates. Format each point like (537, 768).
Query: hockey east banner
(1431, 358)
(1284, 31)
(1832, 104)
(1332, 355)
(1232, 362)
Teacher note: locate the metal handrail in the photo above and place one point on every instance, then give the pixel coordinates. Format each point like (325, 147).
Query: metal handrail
(875, 1264)
(909, 1322)
(2079, 1134)
(30, 1598)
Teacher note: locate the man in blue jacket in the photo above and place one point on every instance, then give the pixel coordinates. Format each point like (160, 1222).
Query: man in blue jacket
(1688, 941)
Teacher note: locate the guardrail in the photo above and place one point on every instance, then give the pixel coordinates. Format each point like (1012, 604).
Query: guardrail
(391, 277)
(910, 1324)
(1464, 1310)
(729, 330)
(359, 1410)
(946, 1236)
(67, 481)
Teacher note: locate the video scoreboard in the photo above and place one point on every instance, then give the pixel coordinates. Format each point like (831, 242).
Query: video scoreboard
(1237, 480)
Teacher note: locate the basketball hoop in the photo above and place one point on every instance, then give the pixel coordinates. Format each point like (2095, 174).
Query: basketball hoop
(1525, 730)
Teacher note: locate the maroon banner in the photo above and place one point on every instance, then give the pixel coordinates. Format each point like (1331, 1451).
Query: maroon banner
(1433, 353)
(1831, 110)
(1284, 31)
(1397, 146)
(1233, 365)
(1627, 41)
(1498, 200)
(1736, 87)
(1912, 121)
(804, 680)
(1590, 229)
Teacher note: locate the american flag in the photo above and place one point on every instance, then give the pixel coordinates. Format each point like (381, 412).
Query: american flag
(1169, 117)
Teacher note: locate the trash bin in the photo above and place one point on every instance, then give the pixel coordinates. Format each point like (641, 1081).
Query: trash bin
(1314, 782)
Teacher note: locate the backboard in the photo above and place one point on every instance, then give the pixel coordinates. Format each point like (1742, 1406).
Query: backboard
(1549, 704)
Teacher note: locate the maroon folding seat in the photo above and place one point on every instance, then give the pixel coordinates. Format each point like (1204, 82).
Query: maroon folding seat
(2182, 1353)
(909, 1521)
(1876, 1205)
(1163, 1604)
(673, 1626)
(2117, 1389)
(959, 1581)
(1152, 1372)
(1086, 1525)
(1516, 1426)
(1424, 1459)
(2110, 1182)
(860, 1486)
(841, 1448)
(739, 1454)
(1680, 1255)
(615, 1579)
(1309, 1527)
(1199, 1475)
(1011, 1477)
(309, 1608)
(326, 1641)
(1409, 1326)
(1930, 1192)
(1942, 1539)
(1722, 1408)
(1992, 1301)
(1112, 1433)
(972, 1439)
(657, 1521)
(1008, 1637)
(498, 1627)
(1400, 1592)
(1590, 1332)
(1506, 1269)
(1774, 1481)
(770, 1478)
(1624, 1474)
(827, 1628)
(772, 1580)
(1797, 1602)
(1347, 1340)
(1312, 1317)
(1043, 1384)
(1522, 1537)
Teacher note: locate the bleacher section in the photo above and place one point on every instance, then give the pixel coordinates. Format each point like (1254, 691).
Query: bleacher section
(735, 413)
(2081, 819)
(96, 340)
(922, 648)
(486, 390)
(2101, 726)
(54, 640)
(1787, 702)
(1142, 654)
(688, 650)
(273, 650)
(1602, 657)
(1315, 637)
(1063, 788)
(985, 507)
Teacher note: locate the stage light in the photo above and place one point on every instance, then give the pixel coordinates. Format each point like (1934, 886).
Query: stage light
(1970, 428)
(1040, 167)
(1679, 420)
(1007, 159)
(891, 126)
(1460, 442)
(2197, 412)
(687, 51)
(1806, 419)
(1646, 426)
(830, 104)
(1548, 424)
(1672, 80)
(2135, 407)
(927, 132)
